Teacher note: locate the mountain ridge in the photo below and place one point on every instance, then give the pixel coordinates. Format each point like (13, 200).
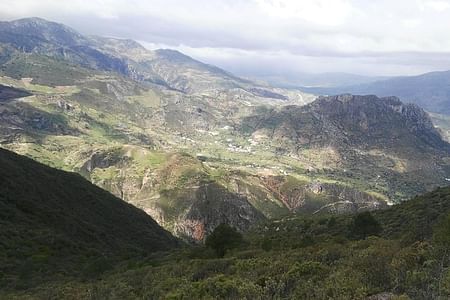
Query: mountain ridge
(59, 219)
(429, 90)
(36, 35)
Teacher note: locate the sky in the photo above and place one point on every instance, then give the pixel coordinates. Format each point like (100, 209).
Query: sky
(270, 37)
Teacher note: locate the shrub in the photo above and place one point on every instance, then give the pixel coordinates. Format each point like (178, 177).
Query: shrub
(224, 238)
(364, 225)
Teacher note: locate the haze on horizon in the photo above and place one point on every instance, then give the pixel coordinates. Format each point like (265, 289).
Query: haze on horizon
(269, 37)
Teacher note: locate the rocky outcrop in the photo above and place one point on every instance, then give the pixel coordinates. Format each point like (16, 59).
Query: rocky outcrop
(215, 205)
(349, 121)
(102, 160)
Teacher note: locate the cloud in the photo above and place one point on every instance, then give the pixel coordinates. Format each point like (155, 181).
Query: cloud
(438, 6)
(319, 12)
(369, 37)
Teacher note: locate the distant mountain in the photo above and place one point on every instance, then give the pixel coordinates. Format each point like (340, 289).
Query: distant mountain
(315, 80)
(430, 91)
(168, 68)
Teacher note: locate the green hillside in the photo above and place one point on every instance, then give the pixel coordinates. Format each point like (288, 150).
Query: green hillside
(398, 253)
(56, 224)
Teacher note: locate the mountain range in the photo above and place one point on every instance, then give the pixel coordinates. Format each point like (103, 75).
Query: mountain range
(195, 146)
(314, 80)
(145, 174)
(431, 90)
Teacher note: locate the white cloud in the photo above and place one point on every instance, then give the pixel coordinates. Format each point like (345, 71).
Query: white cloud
(320, 12)
(439, 6)
(366, 36)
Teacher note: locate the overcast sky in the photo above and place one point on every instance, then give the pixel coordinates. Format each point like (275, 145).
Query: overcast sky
(372, 37)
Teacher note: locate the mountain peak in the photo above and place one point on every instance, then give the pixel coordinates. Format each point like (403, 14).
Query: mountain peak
(39, 30)
(33, 20)
(173, 55)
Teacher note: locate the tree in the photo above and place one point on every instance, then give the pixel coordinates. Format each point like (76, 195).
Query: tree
(364, 224)
(223, 238)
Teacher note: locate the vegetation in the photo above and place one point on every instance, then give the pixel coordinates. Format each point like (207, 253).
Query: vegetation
(402, 251)
(142, 142)
(223, 238)
(364, 225)
(199, 158)
(54, 222)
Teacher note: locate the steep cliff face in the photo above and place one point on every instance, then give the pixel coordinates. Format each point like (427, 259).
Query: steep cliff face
(175, 189)
(373, 121)
(215, 205)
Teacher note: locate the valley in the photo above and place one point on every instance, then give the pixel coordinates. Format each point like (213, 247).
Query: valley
(179, 139)
(73, 240)
(130, 171)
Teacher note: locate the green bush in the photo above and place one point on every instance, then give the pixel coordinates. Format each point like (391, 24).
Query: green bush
(364, 225)
(224, 238)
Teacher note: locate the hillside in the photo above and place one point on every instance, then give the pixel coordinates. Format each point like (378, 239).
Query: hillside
(166, 68)
(398, 253)
(377, 139)
(347, 121)
(430, 90)
(7, 93)
(442, 123)
(57, 222)
(194, 146)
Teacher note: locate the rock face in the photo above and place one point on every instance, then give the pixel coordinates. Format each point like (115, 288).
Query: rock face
(215, 205)
(350, 121)
(102, 160)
